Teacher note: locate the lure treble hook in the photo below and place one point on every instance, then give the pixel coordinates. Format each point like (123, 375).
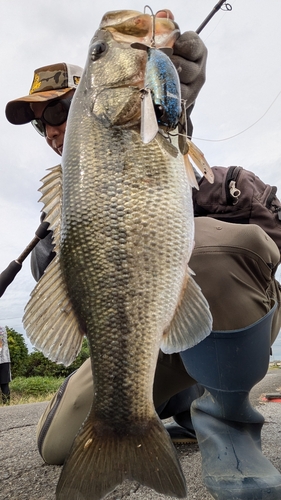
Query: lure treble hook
(152, 41)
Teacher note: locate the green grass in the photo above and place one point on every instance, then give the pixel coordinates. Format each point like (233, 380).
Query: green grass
(33, 389)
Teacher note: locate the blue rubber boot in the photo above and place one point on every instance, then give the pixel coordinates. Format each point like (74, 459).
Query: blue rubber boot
(181, 430)
(228, 364)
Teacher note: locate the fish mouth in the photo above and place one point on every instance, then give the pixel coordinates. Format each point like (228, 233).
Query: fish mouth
(137, 26)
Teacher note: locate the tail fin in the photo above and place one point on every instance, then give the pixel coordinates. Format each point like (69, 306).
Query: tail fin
(101, 459)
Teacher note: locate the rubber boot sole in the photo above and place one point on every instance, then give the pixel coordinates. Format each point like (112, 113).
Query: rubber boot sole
(180, 435)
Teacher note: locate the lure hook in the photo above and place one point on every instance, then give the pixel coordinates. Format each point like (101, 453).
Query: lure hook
(148, 7)
(152, 42)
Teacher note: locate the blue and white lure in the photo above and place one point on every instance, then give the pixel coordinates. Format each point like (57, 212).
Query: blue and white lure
(161, 78)
(161, 95)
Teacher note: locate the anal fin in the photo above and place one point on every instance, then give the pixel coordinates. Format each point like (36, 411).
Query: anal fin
(192, 321)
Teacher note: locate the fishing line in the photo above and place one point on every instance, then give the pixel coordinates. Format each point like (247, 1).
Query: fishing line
(244, 130)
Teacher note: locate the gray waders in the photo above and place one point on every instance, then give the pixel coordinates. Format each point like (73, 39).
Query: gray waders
(228, 364)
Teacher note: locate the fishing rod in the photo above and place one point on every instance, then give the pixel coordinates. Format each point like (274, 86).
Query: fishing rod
(217, 7)
(8, 275)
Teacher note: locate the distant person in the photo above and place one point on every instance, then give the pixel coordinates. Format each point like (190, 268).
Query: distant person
(5, 366)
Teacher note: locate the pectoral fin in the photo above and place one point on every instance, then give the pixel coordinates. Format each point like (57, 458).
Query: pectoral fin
(192, 321)
(49, 320)
(190, 172)
(200, 161)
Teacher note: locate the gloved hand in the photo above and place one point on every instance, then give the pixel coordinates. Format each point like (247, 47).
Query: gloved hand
(43, 253)
(189, 58)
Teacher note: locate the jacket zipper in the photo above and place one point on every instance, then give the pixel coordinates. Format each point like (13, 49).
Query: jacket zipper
(232, 192)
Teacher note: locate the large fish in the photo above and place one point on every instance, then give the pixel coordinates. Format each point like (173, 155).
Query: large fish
(121, 213)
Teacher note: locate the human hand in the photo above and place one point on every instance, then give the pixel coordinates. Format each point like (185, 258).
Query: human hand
(189, 58)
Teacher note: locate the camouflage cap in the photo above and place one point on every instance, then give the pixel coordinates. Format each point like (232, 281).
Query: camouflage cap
(49, 82)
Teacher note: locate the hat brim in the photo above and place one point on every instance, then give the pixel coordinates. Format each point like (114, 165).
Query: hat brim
(18, 112)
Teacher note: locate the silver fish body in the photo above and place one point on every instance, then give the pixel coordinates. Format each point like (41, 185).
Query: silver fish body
(124, 235)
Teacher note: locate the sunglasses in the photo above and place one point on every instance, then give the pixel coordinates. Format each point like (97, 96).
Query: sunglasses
(54, 114)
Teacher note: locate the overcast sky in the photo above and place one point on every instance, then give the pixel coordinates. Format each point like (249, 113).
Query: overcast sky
(237, 117)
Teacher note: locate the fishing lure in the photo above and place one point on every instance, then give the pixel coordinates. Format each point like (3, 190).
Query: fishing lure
(161, 95)
(161, 77)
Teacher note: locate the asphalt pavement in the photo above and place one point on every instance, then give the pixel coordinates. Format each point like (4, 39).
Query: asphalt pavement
(24, 475)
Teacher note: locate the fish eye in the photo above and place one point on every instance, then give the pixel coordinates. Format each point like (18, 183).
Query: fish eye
(97, 50)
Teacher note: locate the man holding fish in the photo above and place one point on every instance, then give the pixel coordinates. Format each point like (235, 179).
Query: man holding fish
(235, 278)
